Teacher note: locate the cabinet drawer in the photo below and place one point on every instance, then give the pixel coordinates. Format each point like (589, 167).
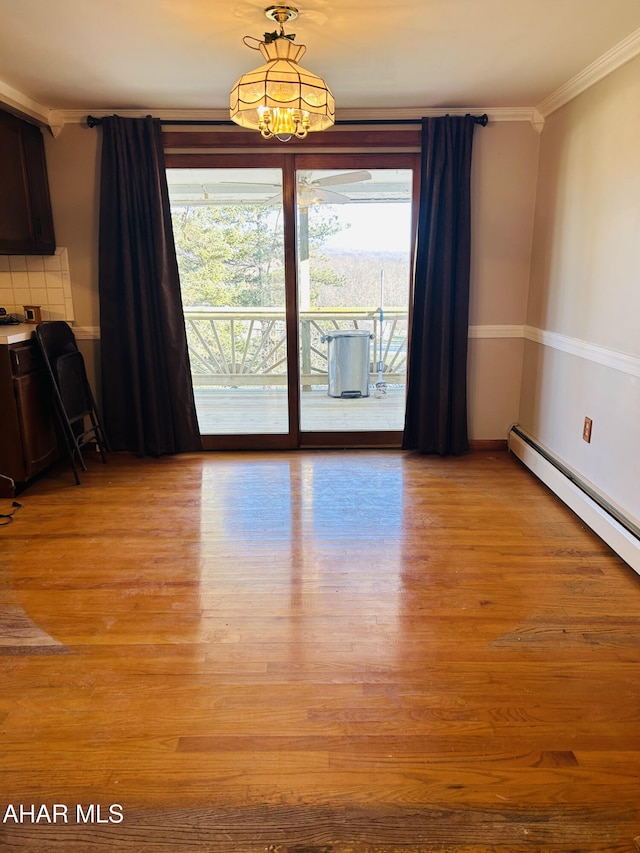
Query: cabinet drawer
(25, 358)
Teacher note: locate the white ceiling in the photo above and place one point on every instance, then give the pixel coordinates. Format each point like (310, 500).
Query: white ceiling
(110, 55)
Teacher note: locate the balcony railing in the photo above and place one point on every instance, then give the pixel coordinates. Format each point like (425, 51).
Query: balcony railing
(243, 347)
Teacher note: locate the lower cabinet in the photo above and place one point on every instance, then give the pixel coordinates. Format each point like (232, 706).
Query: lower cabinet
(28, 434)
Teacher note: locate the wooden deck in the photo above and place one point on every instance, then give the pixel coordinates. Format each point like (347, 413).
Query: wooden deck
(250, 410)
(314, 652)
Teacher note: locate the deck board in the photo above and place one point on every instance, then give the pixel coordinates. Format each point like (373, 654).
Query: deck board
(256, 411)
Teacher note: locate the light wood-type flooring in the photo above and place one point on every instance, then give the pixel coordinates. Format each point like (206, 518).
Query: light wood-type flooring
(314, 652)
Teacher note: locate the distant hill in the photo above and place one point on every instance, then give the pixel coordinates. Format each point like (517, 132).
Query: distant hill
(359, 273)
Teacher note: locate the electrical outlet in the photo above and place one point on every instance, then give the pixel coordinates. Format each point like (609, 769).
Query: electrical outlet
(586, 430)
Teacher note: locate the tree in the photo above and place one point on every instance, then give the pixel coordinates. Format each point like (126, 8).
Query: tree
(233, 255)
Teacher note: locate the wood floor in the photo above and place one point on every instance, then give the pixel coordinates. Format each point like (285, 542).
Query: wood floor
(329, 652)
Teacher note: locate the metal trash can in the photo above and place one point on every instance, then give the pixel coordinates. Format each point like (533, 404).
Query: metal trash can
(348, 358)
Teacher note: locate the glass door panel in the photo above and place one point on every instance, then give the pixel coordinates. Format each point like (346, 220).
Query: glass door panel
(228, 228)
(354, 269)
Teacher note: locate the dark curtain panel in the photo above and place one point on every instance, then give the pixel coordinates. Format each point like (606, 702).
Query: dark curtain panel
(436, 414)
(147, 393)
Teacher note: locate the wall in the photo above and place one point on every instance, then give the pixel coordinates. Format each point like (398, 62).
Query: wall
(73, 168)
(504, 177)
(505, 163)
(582, 353)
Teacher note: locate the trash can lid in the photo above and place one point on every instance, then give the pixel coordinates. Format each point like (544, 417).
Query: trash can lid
(347, 333)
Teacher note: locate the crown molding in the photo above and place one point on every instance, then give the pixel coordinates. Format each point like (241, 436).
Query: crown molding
(80, 116)
(417, 113)
(619, 55)
(17, 102)
(537, 120)
(400, 114)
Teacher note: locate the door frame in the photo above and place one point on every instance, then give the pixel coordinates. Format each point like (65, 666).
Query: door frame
(289, 162)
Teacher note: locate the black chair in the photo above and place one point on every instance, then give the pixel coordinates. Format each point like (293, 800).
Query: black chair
(75, 403)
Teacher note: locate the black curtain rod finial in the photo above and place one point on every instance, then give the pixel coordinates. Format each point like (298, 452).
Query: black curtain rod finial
(92, 121)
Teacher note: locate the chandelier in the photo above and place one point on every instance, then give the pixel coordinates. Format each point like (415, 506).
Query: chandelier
(281, 98)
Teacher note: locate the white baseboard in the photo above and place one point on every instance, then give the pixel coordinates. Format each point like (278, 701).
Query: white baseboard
(611, 531)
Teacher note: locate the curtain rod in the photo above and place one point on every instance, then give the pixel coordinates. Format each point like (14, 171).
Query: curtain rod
(482, 120)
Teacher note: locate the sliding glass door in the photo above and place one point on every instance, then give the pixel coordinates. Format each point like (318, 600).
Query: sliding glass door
(295, 274)
(354, 271)
(228, 229)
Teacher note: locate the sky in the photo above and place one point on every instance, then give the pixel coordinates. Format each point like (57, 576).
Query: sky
(374, 227)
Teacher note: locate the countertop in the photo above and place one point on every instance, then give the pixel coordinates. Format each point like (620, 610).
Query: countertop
(15, 334)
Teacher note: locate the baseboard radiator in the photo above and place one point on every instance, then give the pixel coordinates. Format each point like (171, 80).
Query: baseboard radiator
(619, 532)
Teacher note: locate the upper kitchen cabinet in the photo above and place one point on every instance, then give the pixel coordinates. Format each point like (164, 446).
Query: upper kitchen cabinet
(26, 223)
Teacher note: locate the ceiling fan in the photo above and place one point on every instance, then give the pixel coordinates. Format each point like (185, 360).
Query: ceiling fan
(331, 189)
(312, 192)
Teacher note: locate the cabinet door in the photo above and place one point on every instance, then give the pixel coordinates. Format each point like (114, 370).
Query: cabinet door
(36, 416)
(11, 463)
(15, 209)
(44, 241)
(26, 223)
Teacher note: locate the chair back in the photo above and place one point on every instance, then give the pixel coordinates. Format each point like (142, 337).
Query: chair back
(56, 338)
(72, 381)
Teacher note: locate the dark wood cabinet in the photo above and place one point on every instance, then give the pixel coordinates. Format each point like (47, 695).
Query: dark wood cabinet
(26, 222)
(28, 435)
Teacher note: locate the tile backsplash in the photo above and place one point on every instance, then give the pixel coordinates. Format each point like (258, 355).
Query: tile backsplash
(37, 280)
